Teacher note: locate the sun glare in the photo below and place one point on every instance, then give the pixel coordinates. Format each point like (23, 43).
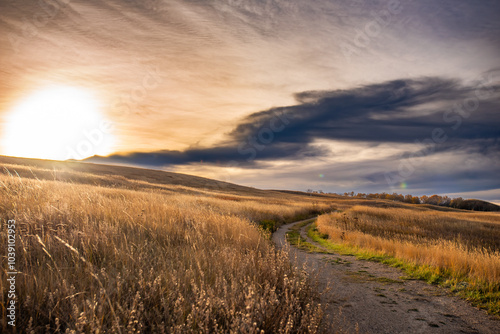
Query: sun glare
(57, 123)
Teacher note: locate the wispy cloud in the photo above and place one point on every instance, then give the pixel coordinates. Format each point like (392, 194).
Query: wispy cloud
(221, 72)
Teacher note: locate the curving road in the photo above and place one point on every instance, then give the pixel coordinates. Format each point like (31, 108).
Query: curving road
(372, 298)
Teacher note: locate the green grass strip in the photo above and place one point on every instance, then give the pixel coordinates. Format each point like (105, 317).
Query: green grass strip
(293, 237)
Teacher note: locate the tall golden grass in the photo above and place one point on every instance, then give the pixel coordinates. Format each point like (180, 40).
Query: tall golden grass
(465, 245)
(165, 259)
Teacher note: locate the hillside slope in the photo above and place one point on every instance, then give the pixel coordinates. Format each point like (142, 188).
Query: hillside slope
(116, 176)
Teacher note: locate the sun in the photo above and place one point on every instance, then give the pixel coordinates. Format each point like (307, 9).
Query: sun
(57, 123)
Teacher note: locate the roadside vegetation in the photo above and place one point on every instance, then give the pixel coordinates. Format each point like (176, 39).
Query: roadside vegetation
(97, 257)
(457, 249)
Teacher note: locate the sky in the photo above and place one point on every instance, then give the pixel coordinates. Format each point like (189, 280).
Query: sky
(339, 96)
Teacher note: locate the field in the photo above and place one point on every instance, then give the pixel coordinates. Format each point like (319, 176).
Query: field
(134, 256)
(103, 249)
(458, 249)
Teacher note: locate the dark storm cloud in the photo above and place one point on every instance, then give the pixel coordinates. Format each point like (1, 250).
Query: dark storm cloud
(443, 112)
(220, 155)
(393, 111)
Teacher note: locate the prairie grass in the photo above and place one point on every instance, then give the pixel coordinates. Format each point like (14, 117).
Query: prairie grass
(458, 249)
(161, 259)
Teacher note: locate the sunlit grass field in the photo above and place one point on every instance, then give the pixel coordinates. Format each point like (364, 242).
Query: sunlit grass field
(108, 258)
(104, 249)
(458, 249)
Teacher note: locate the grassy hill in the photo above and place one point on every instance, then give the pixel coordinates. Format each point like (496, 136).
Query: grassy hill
(118, 249)
(478, 205)
(116, 176)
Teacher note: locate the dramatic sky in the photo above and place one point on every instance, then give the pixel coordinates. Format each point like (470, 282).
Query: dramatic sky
(369, 96)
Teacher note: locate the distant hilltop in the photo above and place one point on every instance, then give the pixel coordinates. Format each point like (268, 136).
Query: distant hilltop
(478, 205)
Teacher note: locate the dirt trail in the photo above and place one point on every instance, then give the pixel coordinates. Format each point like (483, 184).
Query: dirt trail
(372, 297)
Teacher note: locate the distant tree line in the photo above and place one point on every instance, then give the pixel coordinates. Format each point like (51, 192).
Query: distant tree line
(457, 203)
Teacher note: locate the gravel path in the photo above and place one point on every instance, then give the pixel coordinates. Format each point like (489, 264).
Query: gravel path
(371, 297)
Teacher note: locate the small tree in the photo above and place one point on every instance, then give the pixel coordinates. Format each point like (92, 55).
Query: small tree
(434, 200)
(408, 198)
(457, 202)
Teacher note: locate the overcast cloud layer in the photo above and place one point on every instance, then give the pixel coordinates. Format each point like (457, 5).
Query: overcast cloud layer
(333, 95)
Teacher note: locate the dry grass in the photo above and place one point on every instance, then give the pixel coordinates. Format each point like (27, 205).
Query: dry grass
(460, 246)
(471, 230)
(164, 258)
